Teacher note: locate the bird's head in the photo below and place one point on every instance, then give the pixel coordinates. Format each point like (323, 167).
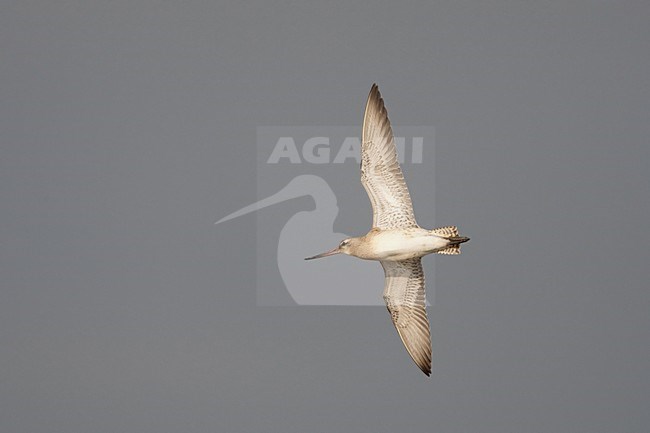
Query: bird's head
(346, 246)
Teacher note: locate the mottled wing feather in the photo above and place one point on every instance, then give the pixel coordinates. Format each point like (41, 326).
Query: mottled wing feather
(405, 299)
(381, 175)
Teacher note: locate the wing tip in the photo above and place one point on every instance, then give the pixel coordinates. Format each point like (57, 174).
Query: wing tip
(422, 358)
(424, 364)
(425, 367)
(374, 95)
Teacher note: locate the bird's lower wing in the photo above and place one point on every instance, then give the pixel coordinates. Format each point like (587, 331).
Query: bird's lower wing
(381, 174)
(405, 299)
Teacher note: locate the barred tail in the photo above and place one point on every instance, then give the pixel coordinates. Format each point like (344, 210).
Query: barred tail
(450, 233)
(446, 232)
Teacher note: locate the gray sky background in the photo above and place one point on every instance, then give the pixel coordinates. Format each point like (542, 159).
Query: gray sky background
(128, 127)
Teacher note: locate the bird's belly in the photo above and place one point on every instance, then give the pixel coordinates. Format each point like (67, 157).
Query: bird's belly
(396, 246)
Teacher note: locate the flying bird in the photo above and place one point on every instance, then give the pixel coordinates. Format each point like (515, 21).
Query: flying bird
(396, 240)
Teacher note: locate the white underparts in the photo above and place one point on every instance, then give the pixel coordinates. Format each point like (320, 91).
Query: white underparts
(396, 245)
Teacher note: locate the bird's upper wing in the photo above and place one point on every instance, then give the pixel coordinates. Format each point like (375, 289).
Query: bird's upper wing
(405, 299)
(381, 175)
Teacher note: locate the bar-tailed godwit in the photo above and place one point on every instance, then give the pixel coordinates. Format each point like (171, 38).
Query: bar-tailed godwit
(396, 240)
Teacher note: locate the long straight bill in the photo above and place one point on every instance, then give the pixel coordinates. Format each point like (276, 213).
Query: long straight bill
(325, 254)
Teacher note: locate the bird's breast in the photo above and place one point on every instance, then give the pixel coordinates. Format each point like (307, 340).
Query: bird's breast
(396, 245)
